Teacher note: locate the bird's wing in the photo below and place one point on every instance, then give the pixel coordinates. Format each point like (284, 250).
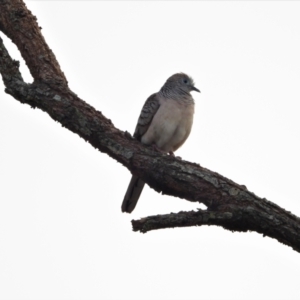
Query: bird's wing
(148, 111)
(136, 184)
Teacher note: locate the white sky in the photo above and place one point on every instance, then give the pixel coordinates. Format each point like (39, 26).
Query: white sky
(62, 233)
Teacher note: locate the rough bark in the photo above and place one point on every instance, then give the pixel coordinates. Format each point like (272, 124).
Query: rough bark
(229, 204)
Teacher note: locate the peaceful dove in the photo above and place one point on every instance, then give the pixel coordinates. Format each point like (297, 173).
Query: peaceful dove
(165, 122)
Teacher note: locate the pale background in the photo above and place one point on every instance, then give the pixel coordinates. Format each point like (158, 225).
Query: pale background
(62, 233)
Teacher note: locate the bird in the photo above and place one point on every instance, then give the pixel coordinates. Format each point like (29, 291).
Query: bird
(165, 122)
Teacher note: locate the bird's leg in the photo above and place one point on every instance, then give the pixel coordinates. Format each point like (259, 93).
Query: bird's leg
(157, 149)
(172, 154)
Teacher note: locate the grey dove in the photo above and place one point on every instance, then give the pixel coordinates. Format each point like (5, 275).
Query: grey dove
(165, 122)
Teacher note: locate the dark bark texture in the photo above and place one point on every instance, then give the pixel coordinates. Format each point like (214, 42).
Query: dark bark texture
(229, 204)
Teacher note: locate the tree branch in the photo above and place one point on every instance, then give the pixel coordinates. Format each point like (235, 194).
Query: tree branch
(270, 220)
(229, 204)
(17, 23)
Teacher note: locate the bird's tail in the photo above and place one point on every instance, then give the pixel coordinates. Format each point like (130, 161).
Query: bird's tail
(133, 193)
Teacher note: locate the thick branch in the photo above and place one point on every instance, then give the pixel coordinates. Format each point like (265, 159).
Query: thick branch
(17, 22)
(230, 205)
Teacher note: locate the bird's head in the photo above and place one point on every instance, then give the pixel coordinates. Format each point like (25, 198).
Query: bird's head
(180, 83)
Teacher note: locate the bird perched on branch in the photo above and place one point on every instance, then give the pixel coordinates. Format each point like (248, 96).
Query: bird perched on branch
(165, 122)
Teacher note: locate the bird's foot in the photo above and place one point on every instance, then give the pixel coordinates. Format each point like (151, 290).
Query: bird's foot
(157, 149)
(172, 154)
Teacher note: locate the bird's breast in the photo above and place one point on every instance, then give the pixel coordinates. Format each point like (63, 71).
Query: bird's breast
(171, 125)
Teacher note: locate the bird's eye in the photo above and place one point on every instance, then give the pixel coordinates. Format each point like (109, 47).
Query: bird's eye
(185, 81)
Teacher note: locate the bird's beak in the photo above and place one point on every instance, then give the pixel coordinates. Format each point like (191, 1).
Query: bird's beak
(195, 89)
